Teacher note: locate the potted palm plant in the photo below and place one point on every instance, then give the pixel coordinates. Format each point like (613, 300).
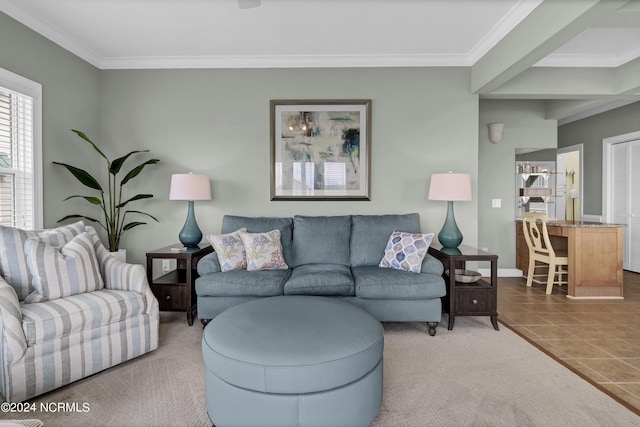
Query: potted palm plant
(109, 200)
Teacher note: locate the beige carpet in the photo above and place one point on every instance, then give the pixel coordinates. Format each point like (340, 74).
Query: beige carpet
(470, 376)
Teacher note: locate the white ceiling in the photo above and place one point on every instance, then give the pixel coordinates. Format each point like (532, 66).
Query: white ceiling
(528, 34)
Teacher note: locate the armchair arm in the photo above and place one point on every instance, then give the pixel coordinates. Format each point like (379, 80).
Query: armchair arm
(14, 342)
(119, 275)
(209, 264)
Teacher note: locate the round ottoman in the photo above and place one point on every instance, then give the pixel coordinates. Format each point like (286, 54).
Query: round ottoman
(293, 361)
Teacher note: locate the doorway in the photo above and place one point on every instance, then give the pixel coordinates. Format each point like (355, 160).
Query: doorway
(569, 183)
(621, 192)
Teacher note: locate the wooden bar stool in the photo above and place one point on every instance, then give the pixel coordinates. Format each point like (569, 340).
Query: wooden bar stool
(534, 226)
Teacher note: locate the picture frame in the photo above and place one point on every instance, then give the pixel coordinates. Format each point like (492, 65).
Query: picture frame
(321, 149)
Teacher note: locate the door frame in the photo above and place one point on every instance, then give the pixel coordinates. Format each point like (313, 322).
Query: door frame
(580, 149)
(607, 169)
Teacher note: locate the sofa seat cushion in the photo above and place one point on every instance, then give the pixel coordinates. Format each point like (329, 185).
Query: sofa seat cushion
(386, 283)
(320, 279)
(46, 321)
(235, 283)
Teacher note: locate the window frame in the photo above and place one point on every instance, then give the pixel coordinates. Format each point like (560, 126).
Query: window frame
(33, 89)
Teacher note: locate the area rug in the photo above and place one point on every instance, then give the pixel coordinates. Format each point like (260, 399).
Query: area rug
(469, 376)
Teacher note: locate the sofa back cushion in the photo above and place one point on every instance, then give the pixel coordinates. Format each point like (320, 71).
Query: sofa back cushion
(13, 262)
(321, 240)
(370, 234)
(231, 223)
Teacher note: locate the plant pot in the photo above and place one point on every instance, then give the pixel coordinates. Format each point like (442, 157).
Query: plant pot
(121, 255)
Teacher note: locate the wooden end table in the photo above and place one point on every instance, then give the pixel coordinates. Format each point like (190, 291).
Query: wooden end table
(175, 290)
(468, 299)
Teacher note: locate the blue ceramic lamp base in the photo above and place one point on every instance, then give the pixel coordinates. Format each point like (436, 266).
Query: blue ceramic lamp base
(450, 235)
(190, 235)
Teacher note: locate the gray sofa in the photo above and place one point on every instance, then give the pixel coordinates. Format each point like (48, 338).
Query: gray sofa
(333, 256)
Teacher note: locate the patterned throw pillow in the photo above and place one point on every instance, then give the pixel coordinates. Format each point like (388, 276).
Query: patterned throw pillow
(405, 251)
(62, 272)
(13, 263)
(230, 250)
(264, 251)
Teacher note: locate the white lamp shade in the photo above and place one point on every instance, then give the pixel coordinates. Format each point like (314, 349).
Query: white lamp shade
(450, 186)
(188, 186)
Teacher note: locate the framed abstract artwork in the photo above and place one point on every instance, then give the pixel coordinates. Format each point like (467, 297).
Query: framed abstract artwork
(320, 149)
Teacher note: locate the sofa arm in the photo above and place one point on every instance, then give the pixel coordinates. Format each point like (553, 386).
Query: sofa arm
(209, 264)
(14, 342)
(432, 265)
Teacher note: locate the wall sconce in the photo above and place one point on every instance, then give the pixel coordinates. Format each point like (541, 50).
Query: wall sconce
(495, 132)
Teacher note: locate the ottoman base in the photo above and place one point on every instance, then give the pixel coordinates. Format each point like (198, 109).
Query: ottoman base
(355, 404)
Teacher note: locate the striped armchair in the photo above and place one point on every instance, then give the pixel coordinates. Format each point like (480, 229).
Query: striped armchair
(46, 345)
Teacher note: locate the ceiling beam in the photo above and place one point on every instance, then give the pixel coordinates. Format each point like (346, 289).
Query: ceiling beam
(559, 83)
(546, 28)
(563, 110)
(628, 77)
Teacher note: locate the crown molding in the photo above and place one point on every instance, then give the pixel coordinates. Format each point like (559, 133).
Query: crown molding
(285, 61)
(511, 20)
(23, 16)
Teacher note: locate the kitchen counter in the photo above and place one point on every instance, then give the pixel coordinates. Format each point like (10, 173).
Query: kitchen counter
(595, 256)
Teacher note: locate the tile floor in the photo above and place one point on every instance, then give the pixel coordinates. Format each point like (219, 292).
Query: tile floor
(598, 339)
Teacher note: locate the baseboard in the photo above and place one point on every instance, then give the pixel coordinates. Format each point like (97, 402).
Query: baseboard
(570, 297)
(502, 272)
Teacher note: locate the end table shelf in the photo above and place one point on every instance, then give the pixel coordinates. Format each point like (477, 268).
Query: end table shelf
(468, 299)
(175, 290)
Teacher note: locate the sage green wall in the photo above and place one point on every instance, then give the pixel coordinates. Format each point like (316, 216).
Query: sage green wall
(525, 126)
(70, 98)
(590, 132)
(216, 122)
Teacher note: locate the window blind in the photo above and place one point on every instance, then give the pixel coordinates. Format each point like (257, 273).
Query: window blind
(16, 159)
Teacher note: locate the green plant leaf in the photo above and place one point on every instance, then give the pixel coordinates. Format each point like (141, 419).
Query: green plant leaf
(144, 213)
(77, 217)
(83, 176)
(116, 165)
(86, 138)
(130, 225)
(135, 171)
(134, 198)
(90, 199)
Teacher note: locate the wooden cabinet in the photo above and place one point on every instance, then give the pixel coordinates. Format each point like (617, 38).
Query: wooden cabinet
(468, 299)
(175, 290)
(595, 256)
(522, 250)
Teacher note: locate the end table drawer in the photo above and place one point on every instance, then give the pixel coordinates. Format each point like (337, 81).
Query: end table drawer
(473, 300)
(170, 297)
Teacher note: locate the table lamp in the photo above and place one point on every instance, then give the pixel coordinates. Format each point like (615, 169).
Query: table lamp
(190, 187)
(450, 187)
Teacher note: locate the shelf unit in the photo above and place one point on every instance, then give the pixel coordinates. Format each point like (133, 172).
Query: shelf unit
(535, 192)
